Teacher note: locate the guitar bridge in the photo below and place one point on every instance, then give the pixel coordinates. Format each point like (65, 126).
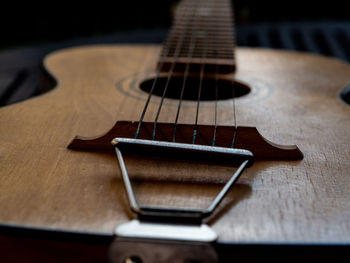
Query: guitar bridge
(246, 138)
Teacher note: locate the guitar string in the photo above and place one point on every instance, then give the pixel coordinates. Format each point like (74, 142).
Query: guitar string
(201, 74)
(169, 76)
(165, 53)
(192, 44)
(151, 92)
(170, 73)
(216, 103)
(234, 113)
(233, 108)
(191, 47)
(198, 99)
(234, 93)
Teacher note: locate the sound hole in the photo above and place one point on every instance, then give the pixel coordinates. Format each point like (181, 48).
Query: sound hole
(226, 89)
(345, 95)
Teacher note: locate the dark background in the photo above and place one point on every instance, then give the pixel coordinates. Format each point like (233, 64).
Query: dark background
(58, 20)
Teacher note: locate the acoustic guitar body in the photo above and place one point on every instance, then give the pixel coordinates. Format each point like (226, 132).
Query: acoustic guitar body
(293, 98)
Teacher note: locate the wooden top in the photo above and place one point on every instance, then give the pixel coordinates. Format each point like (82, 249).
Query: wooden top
(293, 100)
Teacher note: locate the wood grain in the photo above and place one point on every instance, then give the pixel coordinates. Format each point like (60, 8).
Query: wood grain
(294, 100)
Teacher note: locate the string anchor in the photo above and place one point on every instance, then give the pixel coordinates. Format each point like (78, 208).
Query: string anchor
(160, 233)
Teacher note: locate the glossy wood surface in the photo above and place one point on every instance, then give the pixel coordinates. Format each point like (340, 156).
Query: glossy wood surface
(293, 100)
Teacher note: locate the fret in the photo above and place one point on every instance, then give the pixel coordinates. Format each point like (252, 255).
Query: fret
(212, 52)
(220, 65)
(221, 6)
(213, 55)
(186, 46)
(226, 50)
(219, 41)
(203, 36)
(218, 15)
(222, 19)
(210, 25)
(225, 43)
(212, 29)
(203, 23)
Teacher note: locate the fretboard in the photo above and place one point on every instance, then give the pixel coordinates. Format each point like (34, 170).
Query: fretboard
(202, 35)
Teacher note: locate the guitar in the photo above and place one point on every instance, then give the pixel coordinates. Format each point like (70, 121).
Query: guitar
(197, 92)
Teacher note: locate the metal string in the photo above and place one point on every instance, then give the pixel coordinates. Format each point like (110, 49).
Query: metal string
(216, 104)
(150, 94)
(234, 107)
(234, 113)
(165, 52)
(170, 73)
(190, 53)
(195, 130)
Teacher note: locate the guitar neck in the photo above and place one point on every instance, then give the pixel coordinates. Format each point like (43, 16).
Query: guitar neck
(202, 35)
